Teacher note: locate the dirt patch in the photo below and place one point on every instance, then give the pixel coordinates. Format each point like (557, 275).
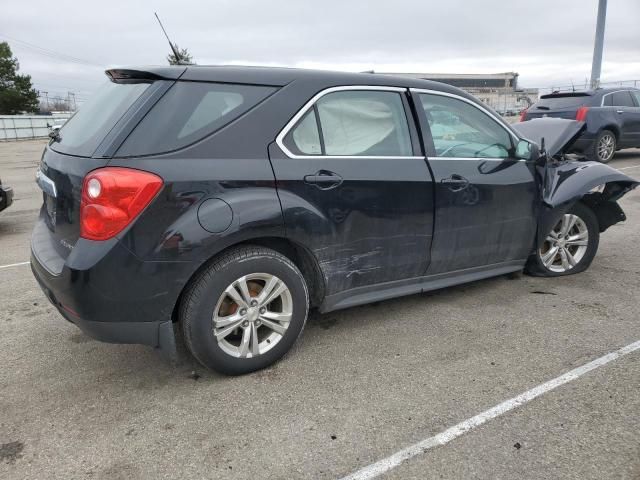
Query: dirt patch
(81, 338)
(10, 452)
(593, 308)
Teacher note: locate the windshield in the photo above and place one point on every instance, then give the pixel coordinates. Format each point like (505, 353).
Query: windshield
(83, 132)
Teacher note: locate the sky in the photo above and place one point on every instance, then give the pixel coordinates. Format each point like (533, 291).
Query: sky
(65, 45)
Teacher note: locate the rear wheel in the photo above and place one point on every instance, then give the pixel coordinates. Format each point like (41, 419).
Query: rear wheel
(245, 311)
(570, 246)
(604, 146)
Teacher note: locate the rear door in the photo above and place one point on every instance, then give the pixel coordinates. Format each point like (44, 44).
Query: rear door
(627, 112)
(354, 188)
(486, 199)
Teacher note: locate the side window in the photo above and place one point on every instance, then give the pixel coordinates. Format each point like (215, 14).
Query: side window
(361, 122)
(622, 99)
(353, 123)
(461, 130)
(304, 138)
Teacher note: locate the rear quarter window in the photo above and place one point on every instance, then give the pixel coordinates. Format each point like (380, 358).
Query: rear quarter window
(188, 112)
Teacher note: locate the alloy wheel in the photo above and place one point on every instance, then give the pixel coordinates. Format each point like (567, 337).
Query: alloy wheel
(565, 245)
(252, 315)
(606, 147)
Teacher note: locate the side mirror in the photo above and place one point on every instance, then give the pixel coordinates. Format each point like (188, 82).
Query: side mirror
(523, 150)
(54, 132)
(526, 150)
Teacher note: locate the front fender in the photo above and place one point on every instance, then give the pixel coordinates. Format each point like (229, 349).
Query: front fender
(567, 182)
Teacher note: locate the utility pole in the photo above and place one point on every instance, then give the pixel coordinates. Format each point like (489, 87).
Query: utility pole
(596, 66)
(72, 97)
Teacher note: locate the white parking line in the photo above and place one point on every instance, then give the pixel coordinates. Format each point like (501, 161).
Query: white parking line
(386, 464)
(14, 265)
(627, 168)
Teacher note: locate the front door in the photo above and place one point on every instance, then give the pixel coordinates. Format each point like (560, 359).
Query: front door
(486, 199)
(353, 187)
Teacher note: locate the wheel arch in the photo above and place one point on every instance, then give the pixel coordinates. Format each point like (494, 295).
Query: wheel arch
(612, 127)
(298, 254)
(602, 201)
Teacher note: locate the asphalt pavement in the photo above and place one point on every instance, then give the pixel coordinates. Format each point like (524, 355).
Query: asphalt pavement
(360, 385)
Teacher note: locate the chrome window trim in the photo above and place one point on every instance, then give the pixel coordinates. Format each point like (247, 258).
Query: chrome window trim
(611, 93)
(492, 159)
(307, 106)
(473, 104)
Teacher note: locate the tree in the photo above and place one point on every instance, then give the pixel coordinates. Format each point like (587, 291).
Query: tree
(17, 94)
(185, 57)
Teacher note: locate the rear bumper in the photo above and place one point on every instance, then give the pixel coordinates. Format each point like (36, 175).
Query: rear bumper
(116, 299)
(6, 197)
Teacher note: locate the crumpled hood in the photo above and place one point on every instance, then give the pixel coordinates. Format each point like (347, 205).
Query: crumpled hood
(558, 133)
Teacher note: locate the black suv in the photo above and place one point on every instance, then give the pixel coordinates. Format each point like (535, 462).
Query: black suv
(612, 116)
(219, 204)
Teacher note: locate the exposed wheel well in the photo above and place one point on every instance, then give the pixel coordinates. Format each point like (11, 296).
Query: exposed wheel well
(299, 255)
(612, 128)
(607, 211)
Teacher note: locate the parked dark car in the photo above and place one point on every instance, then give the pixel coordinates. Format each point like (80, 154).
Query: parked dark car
(6, 196)
(221, 203)
(612, 116)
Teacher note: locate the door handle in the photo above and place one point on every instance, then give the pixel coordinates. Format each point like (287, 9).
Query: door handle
(323, 179)
(619, 111)
(455, 182)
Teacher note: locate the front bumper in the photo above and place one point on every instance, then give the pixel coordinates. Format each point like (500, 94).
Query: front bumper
(6, 197)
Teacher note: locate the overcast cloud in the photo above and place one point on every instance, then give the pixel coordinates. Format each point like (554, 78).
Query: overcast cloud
(549, 42)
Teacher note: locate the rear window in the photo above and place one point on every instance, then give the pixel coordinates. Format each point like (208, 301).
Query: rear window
(83, 132)
(188, 112)
(562, 102)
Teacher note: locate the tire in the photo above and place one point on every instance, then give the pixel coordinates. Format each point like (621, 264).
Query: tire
(220, 332)
(604, 147)
(581, 219)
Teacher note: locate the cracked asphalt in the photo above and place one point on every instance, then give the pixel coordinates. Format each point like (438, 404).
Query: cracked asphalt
(360, 385)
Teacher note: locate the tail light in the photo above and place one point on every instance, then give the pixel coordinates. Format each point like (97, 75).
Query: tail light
(581, 114)
(112, 197)
(523, 115)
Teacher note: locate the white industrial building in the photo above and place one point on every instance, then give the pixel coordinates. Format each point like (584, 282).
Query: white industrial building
(500, 91)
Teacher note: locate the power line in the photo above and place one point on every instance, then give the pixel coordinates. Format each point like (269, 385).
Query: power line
(50, 53)
(62, 88)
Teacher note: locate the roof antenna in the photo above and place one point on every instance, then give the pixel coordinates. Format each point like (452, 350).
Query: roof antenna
(173, 47)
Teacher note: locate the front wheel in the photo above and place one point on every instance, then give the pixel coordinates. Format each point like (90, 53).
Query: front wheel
(245, 310)
(570, 246)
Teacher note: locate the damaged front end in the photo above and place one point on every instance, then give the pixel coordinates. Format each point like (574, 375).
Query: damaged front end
(565, 179)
